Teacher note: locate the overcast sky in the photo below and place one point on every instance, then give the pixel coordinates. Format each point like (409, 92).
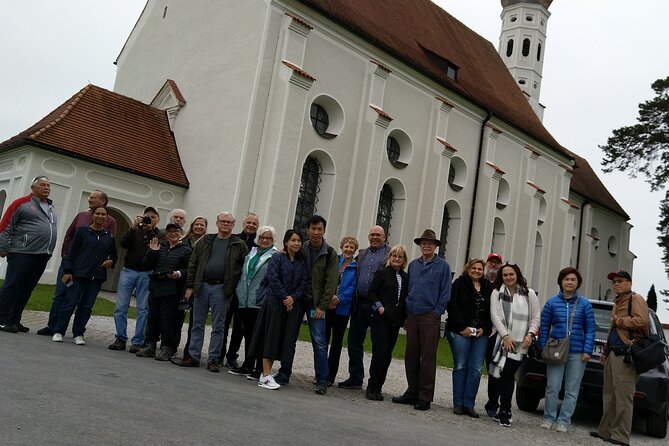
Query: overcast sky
(601, 57)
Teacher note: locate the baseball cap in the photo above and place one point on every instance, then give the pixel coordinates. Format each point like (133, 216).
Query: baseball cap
(619, 273)
(172, 226)
(494, 255)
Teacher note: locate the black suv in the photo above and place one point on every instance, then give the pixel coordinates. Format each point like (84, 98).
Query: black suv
(651, 399)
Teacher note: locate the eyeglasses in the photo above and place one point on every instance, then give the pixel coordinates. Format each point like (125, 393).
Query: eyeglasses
(265, 239)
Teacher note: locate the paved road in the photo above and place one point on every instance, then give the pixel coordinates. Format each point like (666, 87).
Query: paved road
(63, 394)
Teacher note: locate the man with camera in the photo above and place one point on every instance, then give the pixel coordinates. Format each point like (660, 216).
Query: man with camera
(135, 276)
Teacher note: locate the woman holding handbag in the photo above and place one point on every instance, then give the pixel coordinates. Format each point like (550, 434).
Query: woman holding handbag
(567, 315)
(514, 311)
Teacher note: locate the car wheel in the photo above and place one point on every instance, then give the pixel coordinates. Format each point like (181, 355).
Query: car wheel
(527, 400)
(656, 422)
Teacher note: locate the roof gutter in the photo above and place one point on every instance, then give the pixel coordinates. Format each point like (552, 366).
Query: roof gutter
(476, 184)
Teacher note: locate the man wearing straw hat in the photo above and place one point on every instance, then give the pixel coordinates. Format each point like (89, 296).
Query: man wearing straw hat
(429, 293)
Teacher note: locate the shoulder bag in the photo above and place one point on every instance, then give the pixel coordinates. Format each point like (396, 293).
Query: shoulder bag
(648, 352)
(556, 351)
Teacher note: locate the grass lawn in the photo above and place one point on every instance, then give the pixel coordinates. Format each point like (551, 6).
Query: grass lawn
(42, 295)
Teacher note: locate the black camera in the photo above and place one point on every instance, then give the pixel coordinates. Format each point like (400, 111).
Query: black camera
(185, 305)
(146, 220)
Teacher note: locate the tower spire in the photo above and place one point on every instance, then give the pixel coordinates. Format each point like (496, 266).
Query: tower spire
(522, 43)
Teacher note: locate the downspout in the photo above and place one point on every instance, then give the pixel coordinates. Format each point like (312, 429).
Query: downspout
(476, 185)
(580, 233)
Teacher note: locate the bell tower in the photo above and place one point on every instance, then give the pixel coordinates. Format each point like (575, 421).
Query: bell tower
(522, 43)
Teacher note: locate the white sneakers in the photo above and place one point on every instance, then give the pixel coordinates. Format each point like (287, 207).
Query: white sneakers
(546, 425)
(79, 340)
(268, 382)
(560, 428)
(57, 337)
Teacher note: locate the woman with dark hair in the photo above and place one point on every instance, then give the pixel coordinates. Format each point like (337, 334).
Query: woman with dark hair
(566, 315)
(387, 293)
(279, 319)
(91, 253)
(514, 310)
(468, 327)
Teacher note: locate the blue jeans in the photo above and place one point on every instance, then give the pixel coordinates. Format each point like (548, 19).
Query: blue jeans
(320, 346)
(357, 332)
(208, 296)
(23, 273)
(58, 298)
(573, 373)
(468, 355)
(128, 281)
(82, 294)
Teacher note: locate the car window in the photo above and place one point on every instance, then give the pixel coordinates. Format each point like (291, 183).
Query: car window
(655, 326)
(602, 318)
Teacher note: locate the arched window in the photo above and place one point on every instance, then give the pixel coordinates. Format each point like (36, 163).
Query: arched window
(538, 52)
(308, 195)
(443, 237)
(393, 150)
(384, 215)
(526, 47)
(509, 48)
(319, 119)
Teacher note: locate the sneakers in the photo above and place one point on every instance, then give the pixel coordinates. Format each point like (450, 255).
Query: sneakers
(281, 379)
(267, 382)
(148, 351)
(79, 340)
(504, 418)
(164, 354)
(254, 376)
(9, 328)
(117, 345)
(560, 428)
(134, 348)
(546, 424)
(240, 371)
(349, 385)
(46, 331)
(213, 367)
(22, 328)
(57, 337)
(321, 389)
(232, 364)
(491, 411)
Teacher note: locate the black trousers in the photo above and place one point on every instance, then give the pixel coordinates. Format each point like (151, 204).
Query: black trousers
(237, 332)
(384, 337)
(335, 328)
(500, 390)
(247, 318)
(163, 320)
(182, 318)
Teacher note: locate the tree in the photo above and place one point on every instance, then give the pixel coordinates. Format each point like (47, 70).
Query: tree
(651, 299)
(643, 150)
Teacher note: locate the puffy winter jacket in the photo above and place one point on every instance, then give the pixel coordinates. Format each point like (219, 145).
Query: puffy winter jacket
(555, 322)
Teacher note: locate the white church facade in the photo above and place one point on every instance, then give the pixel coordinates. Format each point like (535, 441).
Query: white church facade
(359, 111)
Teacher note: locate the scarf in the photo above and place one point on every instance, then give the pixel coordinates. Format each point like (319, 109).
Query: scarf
(516, 318)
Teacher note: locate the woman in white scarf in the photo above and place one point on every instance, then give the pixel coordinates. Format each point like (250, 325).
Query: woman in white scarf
(515, 312)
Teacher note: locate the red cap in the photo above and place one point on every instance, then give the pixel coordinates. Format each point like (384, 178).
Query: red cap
(494, 255)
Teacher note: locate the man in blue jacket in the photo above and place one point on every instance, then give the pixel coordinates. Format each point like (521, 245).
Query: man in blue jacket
(27, 238)
(429, 293)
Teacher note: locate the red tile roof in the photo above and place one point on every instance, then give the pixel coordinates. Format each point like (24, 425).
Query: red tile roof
(412, 29)
(106, 128)
(586, 183)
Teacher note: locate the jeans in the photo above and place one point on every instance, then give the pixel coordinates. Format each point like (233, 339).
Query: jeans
(335, 328)
(357, 332)
(23, 273)
(320, 346)
(128, 281)
(58, 298)
(82, 294)
(468, 355)
(573, 373)
(294, 320)
(209, 296)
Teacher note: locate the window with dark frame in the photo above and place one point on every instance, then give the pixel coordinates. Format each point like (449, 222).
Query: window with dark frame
(526, 47)
(443, 237)
(384, 215)
(509, 48)
(393, 150)
(451, 179)
(538, 52)
(308, 195)
(320, 120)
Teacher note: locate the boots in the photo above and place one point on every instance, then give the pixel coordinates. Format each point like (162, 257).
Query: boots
(148, 351)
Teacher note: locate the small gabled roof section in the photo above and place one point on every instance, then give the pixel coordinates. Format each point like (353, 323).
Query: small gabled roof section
(586, 183)
(168, 97)
(109, 129)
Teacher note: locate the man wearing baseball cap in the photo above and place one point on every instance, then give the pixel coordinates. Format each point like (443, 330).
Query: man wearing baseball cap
(492, 264)
(629, 319)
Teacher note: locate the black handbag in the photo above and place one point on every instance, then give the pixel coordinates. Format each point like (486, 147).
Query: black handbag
(648, 352)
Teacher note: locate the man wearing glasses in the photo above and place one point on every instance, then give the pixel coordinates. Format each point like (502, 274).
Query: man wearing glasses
(27, 238)
(213, 272)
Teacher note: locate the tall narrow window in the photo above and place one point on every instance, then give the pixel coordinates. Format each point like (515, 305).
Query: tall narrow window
(526, 47)
(384, 215)
(443, 237)
(538, 52)
(319, 119)
(308, 194)
(509, 48)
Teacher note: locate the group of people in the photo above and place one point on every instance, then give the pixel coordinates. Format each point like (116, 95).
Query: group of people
(266, 292)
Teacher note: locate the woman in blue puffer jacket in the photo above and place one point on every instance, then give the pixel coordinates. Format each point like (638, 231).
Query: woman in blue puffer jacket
(555, 319)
